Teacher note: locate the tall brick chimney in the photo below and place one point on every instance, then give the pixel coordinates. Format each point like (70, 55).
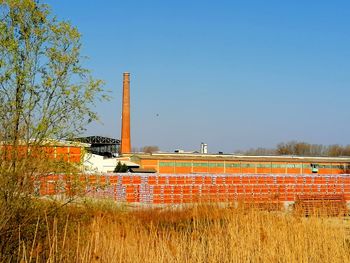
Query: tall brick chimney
(126, 141)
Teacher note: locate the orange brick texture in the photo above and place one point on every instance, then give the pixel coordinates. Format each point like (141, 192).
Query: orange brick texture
(125, 132)
(72, 154)
(179, 189)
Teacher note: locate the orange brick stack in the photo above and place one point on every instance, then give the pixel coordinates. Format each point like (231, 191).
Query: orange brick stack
(321, 204)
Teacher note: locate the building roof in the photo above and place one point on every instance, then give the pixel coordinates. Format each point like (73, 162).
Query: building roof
(232, 157)
(142, 170)
(50, 142)
(98, 140)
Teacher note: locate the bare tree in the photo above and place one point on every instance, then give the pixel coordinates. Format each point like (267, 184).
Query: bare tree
(302, 149)
(150, 149)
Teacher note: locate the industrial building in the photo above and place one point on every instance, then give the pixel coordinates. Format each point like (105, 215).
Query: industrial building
(202, 162)
(188, 177)
(101, 155)
(60, 150)
(177, 163)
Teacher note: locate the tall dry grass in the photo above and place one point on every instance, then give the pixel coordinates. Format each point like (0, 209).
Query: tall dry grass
(196, 234)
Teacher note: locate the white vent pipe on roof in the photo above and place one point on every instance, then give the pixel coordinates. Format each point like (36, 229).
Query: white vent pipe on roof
(204, 148)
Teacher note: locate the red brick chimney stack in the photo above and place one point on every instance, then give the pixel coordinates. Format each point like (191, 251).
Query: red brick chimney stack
(125, 140)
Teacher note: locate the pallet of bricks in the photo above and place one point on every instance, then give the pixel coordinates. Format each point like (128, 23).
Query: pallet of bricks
(321, 205)
(178, 189)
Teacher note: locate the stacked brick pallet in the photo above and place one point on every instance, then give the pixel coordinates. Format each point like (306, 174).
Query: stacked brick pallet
(333, 205)
(163, 189)
(178, 189)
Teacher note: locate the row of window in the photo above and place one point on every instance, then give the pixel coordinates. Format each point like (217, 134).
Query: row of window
(250, 165)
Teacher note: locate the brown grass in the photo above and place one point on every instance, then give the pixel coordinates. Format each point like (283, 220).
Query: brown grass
(196, 234)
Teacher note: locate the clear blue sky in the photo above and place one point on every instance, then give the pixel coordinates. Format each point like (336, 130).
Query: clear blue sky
(233, 74)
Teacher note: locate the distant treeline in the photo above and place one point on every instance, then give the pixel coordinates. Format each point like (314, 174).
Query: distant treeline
(302, 149)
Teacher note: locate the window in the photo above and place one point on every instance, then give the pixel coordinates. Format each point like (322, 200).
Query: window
(166, 164)
(263, 165)
(183, 164)
(233, 165)
(274, 165)
(200, 164)
(216, 165)
(293, 165)
(338, 166)
(248, 165)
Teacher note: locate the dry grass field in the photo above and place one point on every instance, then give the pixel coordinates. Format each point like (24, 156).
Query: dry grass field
(99, 232)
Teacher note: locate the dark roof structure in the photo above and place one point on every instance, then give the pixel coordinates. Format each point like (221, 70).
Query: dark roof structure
(104, 146)
(98, 140)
